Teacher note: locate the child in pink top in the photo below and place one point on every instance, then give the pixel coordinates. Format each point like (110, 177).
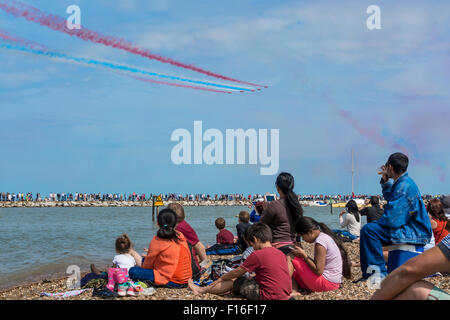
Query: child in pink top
(323, 272)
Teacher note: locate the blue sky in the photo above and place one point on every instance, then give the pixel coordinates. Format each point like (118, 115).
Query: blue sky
(73, 128)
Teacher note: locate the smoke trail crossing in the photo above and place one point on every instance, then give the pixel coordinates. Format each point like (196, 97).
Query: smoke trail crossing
(117, 67)
(20, 9)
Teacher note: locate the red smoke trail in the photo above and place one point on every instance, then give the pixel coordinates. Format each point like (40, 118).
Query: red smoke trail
(31, 44)
(371, 134)
(19, 9)
(179, 85)
(379, 140)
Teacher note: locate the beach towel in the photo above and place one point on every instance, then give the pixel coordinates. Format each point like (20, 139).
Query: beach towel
(61, 295)
(224, 249)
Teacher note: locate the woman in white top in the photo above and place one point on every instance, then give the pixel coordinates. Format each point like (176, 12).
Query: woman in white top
(351, 221)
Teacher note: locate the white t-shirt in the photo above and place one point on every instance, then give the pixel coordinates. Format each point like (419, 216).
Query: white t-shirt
(124, 261)
(350, 223)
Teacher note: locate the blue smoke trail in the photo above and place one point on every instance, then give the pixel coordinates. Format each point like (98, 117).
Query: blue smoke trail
(116, 66)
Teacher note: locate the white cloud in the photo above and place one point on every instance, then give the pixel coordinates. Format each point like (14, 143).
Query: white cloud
(335, 31)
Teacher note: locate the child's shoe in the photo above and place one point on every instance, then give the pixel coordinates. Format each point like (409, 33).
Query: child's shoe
(131, 291)
(110, 287)
(137, 288)
(122, 289)
(148, 291)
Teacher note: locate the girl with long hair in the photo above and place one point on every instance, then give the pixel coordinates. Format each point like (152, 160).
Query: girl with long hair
(282, 214)
(351, 221)
(324, 271)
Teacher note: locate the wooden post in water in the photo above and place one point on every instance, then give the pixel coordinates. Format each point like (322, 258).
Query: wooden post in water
(353, 173)
(153, 208)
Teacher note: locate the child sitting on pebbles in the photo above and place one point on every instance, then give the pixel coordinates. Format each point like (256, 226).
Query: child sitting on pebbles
(324, 271)
(272, 280)
(126, 258)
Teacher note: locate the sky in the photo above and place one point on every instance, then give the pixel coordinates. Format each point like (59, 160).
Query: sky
(333, 86)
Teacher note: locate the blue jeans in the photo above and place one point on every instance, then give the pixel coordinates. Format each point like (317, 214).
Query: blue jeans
(373, 237)
(147, 275)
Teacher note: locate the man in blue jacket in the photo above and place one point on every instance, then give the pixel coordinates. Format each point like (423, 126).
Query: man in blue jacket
(404, 221)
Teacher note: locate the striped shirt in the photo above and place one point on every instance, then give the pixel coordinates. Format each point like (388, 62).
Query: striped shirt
(444, 245)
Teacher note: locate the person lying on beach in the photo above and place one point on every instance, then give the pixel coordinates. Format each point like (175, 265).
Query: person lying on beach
(404, 221)
(324, 271)
(189, 233)
(351, 222)
(272, 280)
(405, 282)
(168, 261)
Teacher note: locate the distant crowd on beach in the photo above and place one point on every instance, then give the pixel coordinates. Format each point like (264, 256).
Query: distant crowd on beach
(6, 196)
(20, 196)
(403, 243)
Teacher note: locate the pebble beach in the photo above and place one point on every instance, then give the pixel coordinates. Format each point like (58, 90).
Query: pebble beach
(348, 291)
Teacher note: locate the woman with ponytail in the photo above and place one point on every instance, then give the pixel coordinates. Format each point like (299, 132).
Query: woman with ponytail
(324, 271)
(168, 260)
(281, 215)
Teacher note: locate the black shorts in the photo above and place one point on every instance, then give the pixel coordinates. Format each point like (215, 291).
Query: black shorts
(247, 287)
(286, 249)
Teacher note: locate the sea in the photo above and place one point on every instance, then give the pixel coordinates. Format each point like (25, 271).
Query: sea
(43, 243)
